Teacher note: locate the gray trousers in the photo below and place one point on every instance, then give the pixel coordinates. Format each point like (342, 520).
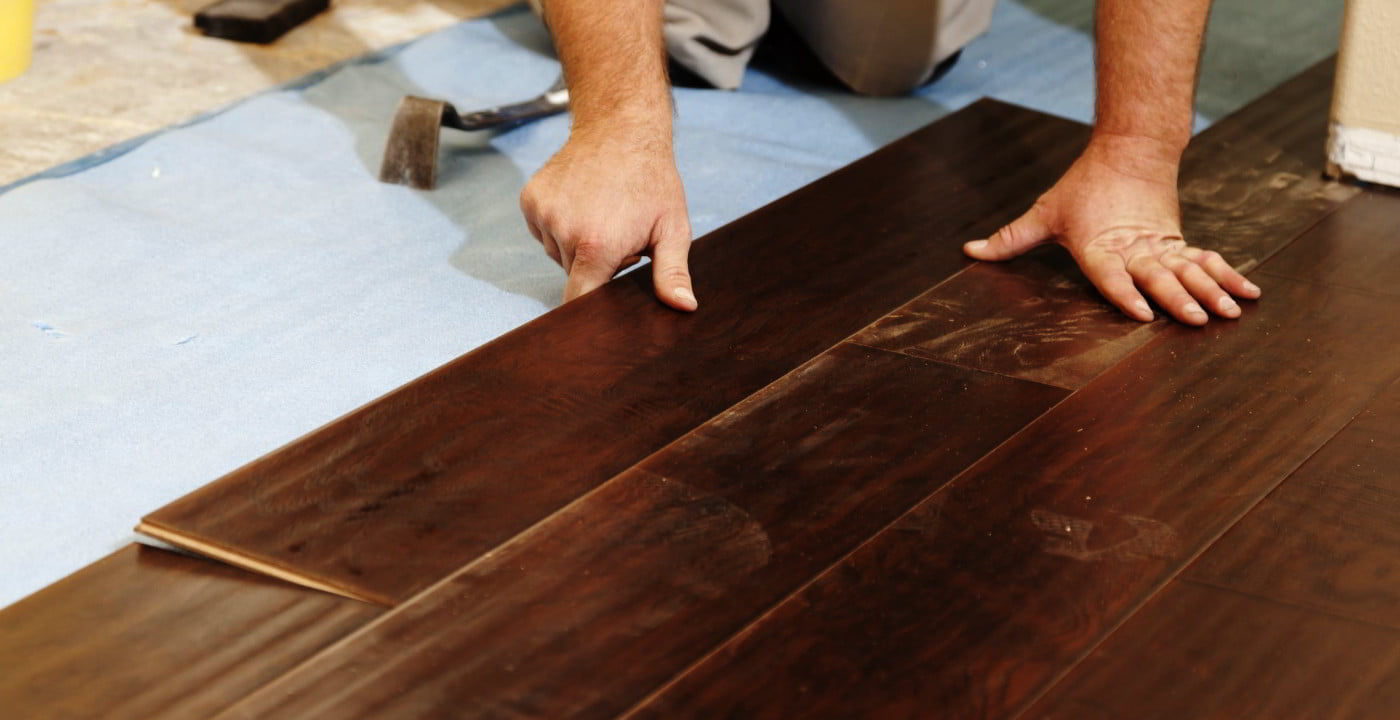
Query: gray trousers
(877, 47)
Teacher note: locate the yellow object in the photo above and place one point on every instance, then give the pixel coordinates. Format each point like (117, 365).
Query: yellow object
(16, 36)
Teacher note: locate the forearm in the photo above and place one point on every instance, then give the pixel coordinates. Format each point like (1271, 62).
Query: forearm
(1116, 209)
(615, 62)
(1148, 52)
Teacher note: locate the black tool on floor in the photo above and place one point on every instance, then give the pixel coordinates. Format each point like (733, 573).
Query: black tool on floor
(256, 21)
(411, 153)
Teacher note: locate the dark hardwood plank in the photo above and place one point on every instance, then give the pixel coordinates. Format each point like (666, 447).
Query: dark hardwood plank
(1357, 247)
(1036, 318)
(146, 633)
(1207, 654)
(983, 594)
(1329, 536)
(1250, 183)
(402, 492)
(584, 614)
(1253, 181)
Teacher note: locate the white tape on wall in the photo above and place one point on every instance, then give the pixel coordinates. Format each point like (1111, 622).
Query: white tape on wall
(1366, 154)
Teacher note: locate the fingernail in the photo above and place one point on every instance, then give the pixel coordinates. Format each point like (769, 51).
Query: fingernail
(977, 245)
(685, 294)
(1251, 286)
(1227, 304)
(1143, 308)
(1194, 309)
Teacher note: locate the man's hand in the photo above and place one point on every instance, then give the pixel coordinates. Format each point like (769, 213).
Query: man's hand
(1116, 211)
(612, 194)
(603, 202)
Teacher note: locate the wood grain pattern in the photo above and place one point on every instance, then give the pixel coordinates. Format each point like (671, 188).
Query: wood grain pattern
(1208, 654)
(1036, 318)
(584, 614)
(146, 633)
(402, 492)
(1249, 184)
(974, 602)
(1253, 181)
(1329, 536)
(1357, 247)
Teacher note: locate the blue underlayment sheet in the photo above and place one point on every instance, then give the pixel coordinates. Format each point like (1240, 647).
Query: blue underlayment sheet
(224, 287)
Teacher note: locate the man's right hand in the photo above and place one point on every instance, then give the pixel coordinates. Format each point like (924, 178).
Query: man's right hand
(607, 199)
(612, 194)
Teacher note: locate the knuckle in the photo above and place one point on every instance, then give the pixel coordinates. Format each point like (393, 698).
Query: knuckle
(1173, 243)
(1174, 262)
(1160, 274)
(1141, 265)
(589, 251)
(1009, 236)
(674, 273)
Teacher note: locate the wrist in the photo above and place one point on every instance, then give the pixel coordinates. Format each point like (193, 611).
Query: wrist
(1142, 156)
(630, 134)
(643, 110)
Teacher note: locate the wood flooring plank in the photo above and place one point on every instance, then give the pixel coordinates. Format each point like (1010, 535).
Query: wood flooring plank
(1208, 654)
(1253, 181)
(584, 614)
(1329, 536)
(147, 634)
(1249, 184)
(1036, 318)
(400, 493)
(983, 594)
(1357, 247)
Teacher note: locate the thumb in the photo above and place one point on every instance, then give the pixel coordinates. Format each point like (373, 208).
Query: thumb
(670, 270)
(1026, 232)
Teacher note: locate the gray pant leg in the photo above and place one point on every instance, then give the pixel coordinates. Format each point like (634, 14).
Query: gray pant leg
(715, 38)
(886, 47)
(877, 47)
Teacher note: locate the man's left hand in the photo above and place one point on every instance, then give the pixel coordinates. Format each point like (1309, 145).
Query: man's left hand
(1116, 211)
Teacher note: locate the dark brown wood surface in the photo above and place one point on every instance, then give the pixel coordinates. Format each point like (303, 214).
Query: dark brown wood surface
(585, 613)
(1358, 248)
(147, 634)
(1253, 181)
(982, 595)
(1329, 536)
(1249, 184)
(400, 493)
(1209, 654)
(765, 560)
(1036, 318)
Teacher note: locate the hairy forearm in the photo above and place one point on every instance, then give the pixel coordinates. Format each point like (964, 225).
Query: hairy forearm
(615, 63)
(1148, 52)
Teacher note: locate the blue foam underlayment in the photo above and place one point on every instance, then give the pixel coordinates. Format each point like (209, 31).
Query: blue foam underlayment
(171, 312)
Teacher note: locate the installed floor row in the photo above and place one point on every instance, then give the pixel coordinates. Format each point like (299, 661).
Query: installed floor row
(855, 490)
